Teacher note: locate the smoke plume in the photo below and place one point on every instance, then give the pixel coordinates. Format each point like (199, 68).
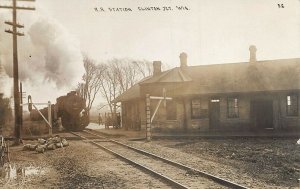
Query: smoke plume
(48, 55)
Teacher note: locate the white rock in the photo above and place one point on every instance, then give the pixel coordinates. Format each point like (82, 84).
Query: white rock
(41, 141)
(40, 149)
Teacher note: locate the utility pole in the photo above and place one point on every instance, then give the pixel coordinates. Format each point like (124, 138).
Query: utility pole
(15, 34)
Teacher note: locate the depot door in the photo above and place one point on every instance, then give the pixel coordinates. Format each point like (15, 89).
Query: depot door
(214, 114)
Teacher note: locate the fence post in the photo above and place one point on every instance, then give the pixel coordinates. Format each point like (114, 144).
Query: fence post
(50, 118)
(148, 118)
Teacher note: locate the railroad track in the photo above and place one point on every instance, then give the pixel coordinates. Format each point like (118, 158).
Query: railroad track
(176, 174)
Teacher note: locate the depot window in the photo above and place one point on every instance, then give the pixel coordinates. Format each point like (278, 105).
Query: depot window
(232, 107)
(199, 109)
(292, 105)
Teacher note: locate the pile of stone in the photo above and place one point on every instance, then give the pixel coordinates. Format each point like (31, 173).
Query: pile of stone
(50, 144)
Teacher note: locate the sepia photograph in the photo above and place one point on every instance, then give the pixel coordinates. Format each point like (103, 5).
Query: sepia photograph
(146, 94)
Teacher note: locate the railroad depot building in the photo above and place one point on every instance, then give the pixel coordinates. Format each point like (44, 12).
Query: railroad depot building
(246, 96)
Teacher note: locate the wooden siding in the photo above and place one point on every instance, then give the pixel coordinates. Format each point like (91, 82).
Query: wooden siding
(244, 122)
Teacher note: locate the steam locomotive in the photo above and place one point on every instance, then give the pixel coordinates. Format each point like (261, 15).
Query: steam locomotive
(70, 109)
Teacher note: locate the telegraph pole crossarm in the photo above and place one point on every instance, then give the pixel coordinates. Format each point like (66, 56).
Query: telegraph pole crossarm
(12, 24)
(15, 34)
(19, 8)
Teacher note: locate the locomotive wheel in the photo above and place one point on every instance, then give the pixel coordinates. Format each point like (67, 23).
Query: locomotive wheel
(66, 122)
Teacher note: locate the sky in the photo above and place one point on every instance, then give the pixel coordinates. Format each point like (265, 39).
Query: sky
(209, 31)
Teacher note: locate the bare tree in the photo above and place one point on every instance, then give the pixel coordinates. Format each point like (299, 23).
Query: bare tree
(119, 76)
(109, 86)
(92, 79)
(111, 79)
(126, 73)
(144, 68)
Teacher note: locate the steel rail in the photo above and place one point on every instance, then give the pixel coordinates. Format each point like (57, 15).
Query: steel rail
(217, 179)
(169, 180)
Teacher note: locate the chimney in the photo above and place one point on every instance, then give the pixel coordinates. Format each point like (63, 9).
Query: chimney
(156, 67)
(252, 50)
(183, 60)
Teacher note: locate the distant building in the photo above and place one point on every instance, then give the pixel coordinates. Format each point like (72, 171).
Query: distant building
(254, 95)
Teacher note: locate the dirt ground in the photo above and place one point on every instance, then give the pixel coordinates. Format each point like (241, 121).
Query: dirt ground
(256, 163)
(79, 165)
(263, 163)
(274, 161)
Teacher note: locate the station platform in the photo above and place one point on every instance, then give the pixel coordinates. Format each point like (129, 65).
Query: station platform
(219, 134)
(117, 132)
